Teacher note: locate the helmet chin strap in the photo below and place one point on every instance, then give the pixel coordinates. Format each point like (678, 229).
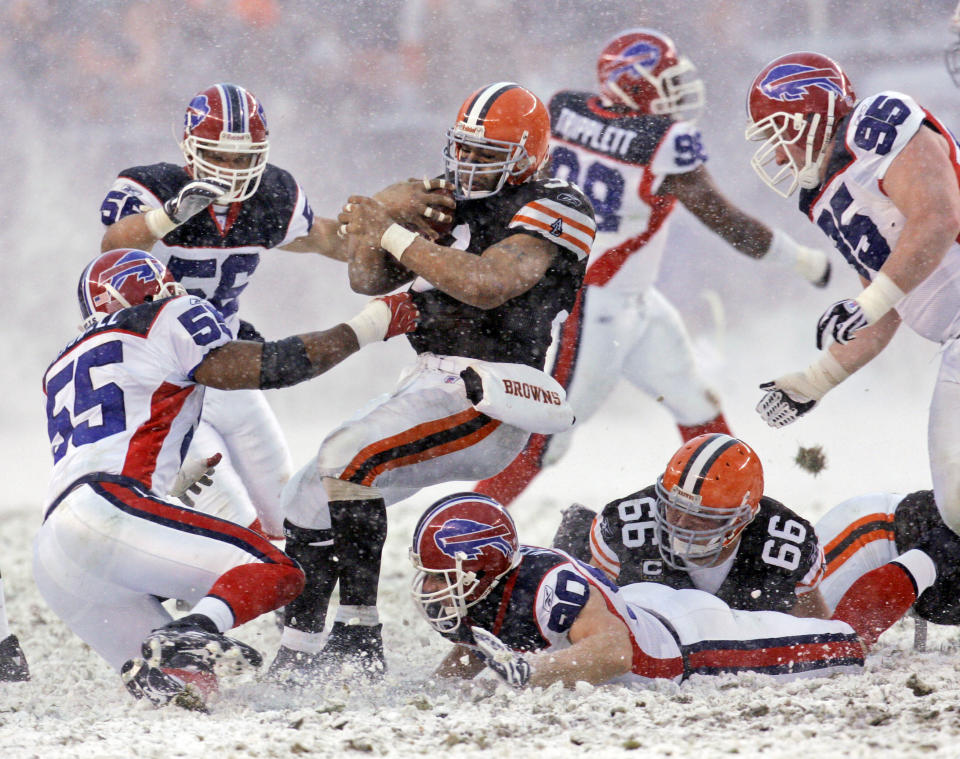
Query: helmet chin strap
(809, 176)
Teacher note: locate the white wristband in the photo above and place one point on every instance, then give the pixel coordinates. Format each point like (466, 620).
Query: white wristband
(372, 323)
(159, 224)
(396, 240)
(810, 263)
(879, 297)
(823, 375)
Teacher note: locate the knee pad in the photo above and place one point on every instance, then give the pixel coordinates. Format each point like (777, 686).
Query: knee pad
(339, 448)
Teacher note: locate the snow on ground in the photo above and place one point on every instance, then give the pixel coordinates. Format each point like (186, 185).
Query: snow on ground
(906, 703)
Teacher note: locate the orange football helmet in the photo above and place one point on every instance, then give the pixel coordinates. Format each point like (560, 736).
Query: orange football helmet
(709, 492)
(500, 136)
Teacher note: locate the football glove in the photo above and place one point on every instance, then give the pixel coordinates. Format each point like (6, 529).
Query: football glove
(780, 406)
(193, 197)
(510, 666)
(841, 321)
(193, 477)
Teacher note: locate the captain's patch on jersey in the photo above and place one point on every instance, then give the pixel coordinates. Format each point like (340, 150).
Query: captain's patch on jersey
(559, 223)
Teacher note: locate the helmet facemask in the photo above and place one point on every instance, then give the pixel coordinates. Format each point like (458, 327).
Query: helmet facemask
(780, 130)
(684, 547)
(445, 607)
(463, 174)
(245, 180)
(680, 91)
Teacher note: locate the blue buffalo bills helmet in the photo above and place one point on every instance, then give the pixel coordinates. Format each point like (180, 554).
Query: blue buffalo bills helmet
(123, 278)
(462, 546)
(226, 120)
(640, 69)
(794, 105)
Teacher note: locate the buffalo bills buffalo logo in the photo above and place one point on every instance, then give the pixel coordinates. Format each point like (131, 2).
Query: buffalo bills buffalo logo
(792, 81)
(470, 538)
(196, 112)
(131, 265)
(638, 55)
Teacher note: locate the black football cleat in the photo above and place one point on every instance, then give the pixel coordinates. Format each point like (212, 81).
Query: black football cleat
(182, 645)
(295, 669)
(158, 687)
(13, 664)
(354, 647)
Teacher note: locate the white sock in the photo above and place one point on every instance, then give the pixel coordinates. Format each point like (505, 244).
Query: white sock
(358, 615)
(919, 566)
(298, 640)
(217, 610)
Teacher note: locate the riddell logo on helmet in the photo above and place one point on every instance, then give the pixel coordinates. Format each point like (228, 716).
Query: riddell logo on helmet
(531, 392)
(792, 81)
(464, 129)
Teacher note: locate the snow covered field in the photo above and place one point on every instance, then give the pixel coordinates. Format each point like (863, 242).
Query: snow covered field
(345, 121)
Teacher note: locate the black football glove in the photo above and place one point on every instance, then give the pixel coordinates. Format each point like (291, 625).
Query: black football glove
(193, 197)
(510, 666)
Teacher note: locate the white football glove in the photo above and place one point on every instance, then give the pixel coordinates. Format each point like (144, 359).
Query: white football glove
(193, 197)
(783, 402)
(194, 476)
(510, 666)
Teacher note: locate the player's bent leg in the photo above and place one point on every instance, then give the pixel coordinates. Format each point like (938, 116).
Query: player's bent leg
(857, 536)
(256, 446)
(661, 363)
(226, 497)
(882, 596)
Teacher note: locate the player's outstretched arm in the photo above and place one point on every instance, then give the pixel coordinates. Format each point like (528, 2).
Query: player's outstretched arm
(699, 195)
(503, 271)
(322, 238)
(244, 364)
(461, 662)
(601, 649)
(143, 230)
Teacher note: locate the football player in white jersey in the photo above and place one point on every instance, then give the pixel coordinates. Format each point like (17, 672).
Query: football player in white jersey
(488, 292)
(537, 616)
(122, 401)
(635, 151)
(879, 177)
(211, 221)
(13, 664)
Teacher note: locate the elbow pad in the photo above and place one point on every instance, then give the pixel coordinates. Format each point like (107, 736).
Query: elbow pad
(284, 363)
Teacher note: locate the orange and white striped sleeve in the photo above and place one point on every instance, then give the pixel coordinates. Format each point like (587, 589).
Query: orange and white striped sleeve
(558, 223)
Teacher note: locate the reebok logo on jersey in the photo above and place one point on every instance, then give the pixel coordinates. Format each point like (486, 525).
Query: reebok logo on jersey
(531, 392)
(556, 229)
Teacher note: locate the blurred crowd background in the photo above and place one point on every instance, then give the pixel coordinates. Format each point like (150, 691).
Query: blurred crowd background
(358, 94)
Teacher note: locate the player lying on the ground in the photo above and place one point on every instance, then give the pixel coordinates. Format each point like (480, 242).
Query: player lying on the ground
(634, 149)
(881, 178)
(488, 292)
(705, 524)
(122, 400)
(13, 664)
(537, 616)
(882, 533)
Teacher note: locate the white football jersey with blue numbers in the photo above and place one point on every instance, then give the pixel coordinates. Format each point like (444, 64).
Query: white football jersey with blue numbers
(852, 209)
(619, 160)
(121, 400)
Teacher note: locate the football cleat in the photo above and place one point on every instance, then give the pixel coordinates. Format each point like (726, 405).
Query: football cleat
(13, 664)
(354, 647)
(158, 687)
(295, 668)
(178, 647)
